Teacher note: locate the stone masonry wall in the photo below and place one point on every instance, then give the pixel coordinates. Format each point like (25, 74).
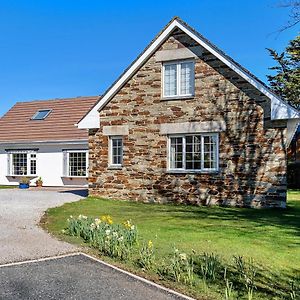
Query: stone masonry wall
(252, 152)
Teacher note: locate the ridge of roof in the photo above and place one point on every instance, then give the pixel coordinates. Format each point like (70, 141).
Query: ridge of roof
(57, 99)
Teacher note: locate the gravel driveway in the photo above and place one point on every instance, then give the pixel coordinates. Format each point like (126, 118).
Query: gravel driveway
(20, 212)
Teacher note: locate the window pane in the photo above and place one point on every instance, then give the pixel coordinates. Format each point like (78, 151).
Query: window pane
(19, 164)
(210, 152)
(33, 164)
(186, 78)
(176, 155)
(117, 151)
(170, 80)
(77, 164)
(193, 152)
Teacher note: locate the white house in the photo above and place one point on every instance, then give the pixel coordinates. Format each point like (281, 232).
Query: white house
(39, 139)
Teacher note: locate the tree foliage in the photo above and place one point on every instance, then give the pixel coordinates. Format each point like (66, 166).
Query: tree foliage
(286, 81)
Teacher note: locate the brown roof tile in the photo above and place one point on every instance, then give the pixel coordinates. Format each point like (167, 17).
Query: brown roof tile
(16, 125)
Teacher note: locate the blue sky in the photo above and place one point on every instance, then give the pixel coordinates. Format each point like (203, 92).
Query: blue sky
(61, 48)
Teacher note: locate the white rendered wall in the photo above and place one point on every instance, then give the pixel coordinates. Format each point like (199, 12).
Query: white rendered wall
(49, 165)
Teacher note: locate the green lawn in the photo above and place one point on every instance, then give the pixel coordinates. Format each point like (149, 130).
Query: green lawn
(7, 187)
(270, 237)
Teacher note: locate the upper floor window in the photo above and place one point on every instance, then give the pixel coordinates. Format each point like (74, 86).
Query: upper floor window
(178, 79)
(116, 151)
(197, 152)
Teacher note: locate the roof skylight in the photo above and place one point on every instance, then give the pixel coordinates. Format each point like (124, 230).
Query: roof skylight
(41, 114)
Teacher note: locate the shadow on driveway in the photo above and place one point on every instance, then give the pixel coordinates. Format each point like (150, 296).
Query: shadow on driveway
(79, 192)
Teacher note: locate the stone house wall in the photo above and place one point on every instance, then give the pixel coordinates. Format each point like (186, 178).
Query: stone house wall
(252, 149)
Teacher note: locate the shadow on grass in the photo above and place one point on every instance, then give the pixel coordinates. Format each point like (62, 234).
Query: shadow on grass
(288, 218)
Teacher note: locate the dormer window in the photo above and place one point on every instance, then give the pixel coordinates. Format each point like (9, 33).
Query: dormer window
(178, 79)
(41, 114)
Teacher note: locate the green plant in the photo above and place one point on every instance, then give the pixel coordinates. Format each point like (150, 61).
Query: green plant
(146, 256)
(207, 266)
(181, 267)
(228, 286)
(247, 272)
(293, 291)
(39, 181)
(25, 180)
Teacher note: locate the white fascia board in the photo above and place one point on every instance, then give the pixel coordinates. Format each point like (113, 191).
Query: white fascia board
(292, 126)
(283, 111)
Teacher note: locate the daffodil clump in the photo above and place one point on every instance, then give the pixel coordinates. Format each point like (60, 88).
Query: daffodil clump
(120, 241)
(115, 240)
(146, 256)
(181, 267)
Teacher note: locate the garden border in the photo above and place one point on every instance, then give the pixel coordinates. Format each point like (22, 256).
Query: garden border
(170, 291)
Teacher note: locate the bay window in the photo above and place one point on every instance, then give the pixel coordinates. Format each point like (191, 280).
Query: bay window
(195, 152)
(178, 79)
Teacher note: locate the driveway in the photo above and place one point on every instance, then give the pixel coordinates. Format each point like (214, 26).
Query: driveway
(75, 277)
(20, 212)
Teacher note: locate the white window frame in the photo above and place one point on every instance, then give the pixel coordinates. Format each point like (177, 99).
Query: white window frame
(111, 138)
(178, 79)
(28, 162)
(68, 163)
(183, 169)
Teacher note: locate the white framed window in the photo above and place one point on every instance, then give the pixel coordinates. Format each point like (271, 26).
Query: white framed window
(116, 151)
(76, 163)
(22, 163)
(193, 152)
(178, 79)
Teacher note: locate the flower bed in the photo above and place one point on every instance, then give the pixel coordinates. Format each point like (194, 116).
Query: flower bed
(238, 280)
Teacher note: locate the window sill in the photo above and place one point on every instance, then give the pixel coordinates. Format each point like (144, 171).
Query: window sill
(75, 177)
(192, 172)
(115, 167)
(178, 98)
(21, 176)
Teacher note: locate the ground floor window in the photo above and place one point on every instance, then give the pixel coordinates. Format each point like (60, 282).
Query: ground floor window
(22, 163)
(116, 151)
(76, 163)
(195, 152)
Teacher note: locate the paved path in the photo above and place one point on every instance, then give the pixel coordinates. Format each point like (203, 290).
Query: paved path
(20, 212)
(74, 277)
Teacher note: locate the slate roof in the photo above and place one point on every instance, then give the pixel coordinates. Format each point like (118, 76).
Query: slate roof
(16, 126)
